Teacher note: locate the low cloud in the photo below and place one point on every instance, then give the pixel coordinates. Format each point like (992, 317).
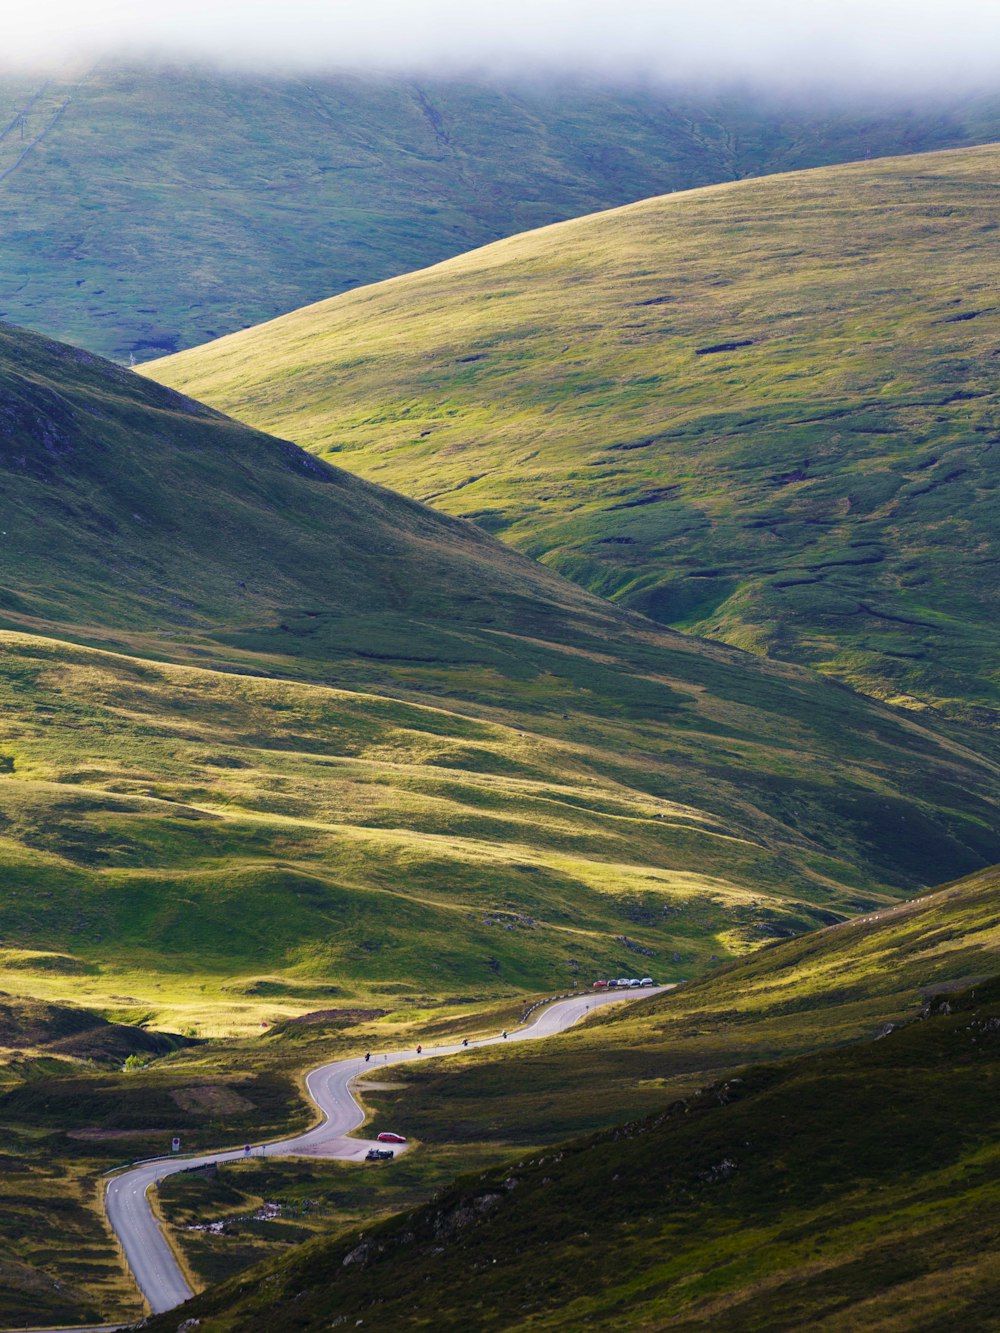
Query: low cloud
(869, 42)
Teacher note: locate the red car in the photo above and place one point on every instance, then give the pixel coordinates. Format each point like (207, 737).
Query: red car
(600, 985)
(386, 1137)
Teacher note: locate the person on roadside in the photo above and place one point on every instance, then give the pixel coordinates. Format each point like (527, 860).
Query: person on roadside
(419, 1049)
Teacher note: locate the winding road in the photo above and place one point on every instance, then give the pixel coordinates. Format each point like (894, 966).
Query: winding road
(130, 1213)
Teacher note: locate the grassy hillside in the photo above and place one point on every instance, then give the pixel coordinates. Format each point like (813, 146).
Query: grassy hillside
(67, 1121)
(846, 983)
(860, 1173)
(275, 740)
(856, 1189)
(128, 506)
(763, 412)
(32, 1031)
(330, 737)
(148, 209)
(807, 994)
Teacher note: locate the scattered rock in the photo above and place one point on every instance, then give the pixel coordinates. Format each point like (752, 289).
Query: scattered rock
(721, 1171)
(360, 1254)
(634, 946)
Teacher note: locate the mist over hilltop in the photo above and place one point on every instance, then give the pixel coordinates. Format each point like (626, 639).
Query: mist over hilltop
(867, 43)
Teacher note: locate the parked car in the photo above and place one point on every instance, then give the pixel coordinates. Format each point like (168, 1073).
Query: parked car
(634, 981)
(647, 981)
(600, 985)
(386, 1137)
(379, 1155)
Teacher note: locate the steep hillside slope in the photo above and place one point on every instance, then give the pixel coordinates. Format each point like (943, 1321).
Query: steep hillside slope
(801, 996)
(765, 412)
(148, 209)
(856, 1189)
(129, 506)
(330, 735)
(842, 984)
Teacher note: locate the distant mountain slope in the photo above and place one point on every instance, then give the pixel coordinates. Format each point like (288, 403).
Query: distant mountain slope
(764, 412)
(854, 1189)
(326, 733)
(148, 209)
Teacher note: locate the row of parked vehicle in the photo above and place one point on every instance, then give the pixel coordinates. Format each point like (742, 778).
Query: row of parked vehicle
(623, 983)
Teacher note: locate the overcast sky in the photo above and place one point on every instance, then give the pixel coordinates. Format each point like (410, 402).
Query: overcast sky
(909, 41)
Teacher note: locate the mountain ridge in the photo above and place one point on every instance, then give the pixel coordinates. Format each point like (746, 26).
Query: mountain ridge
(711, 412)
(146, 208)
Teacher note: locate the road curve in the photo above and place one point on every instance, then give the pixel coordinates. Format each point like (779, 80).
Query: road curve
(154, 1267)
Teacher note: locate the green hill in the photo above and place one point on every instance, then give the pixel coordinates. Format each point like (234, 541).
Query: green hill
(31, 1030)
(131, 507)
(854, 1189)
(145, 209)
(799, 995)
(846, 983)
(763, 412)
(268, 727)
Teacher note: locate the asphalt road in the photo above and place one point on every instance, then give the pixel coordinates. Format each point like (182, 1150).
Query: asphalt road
(150, 1257)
